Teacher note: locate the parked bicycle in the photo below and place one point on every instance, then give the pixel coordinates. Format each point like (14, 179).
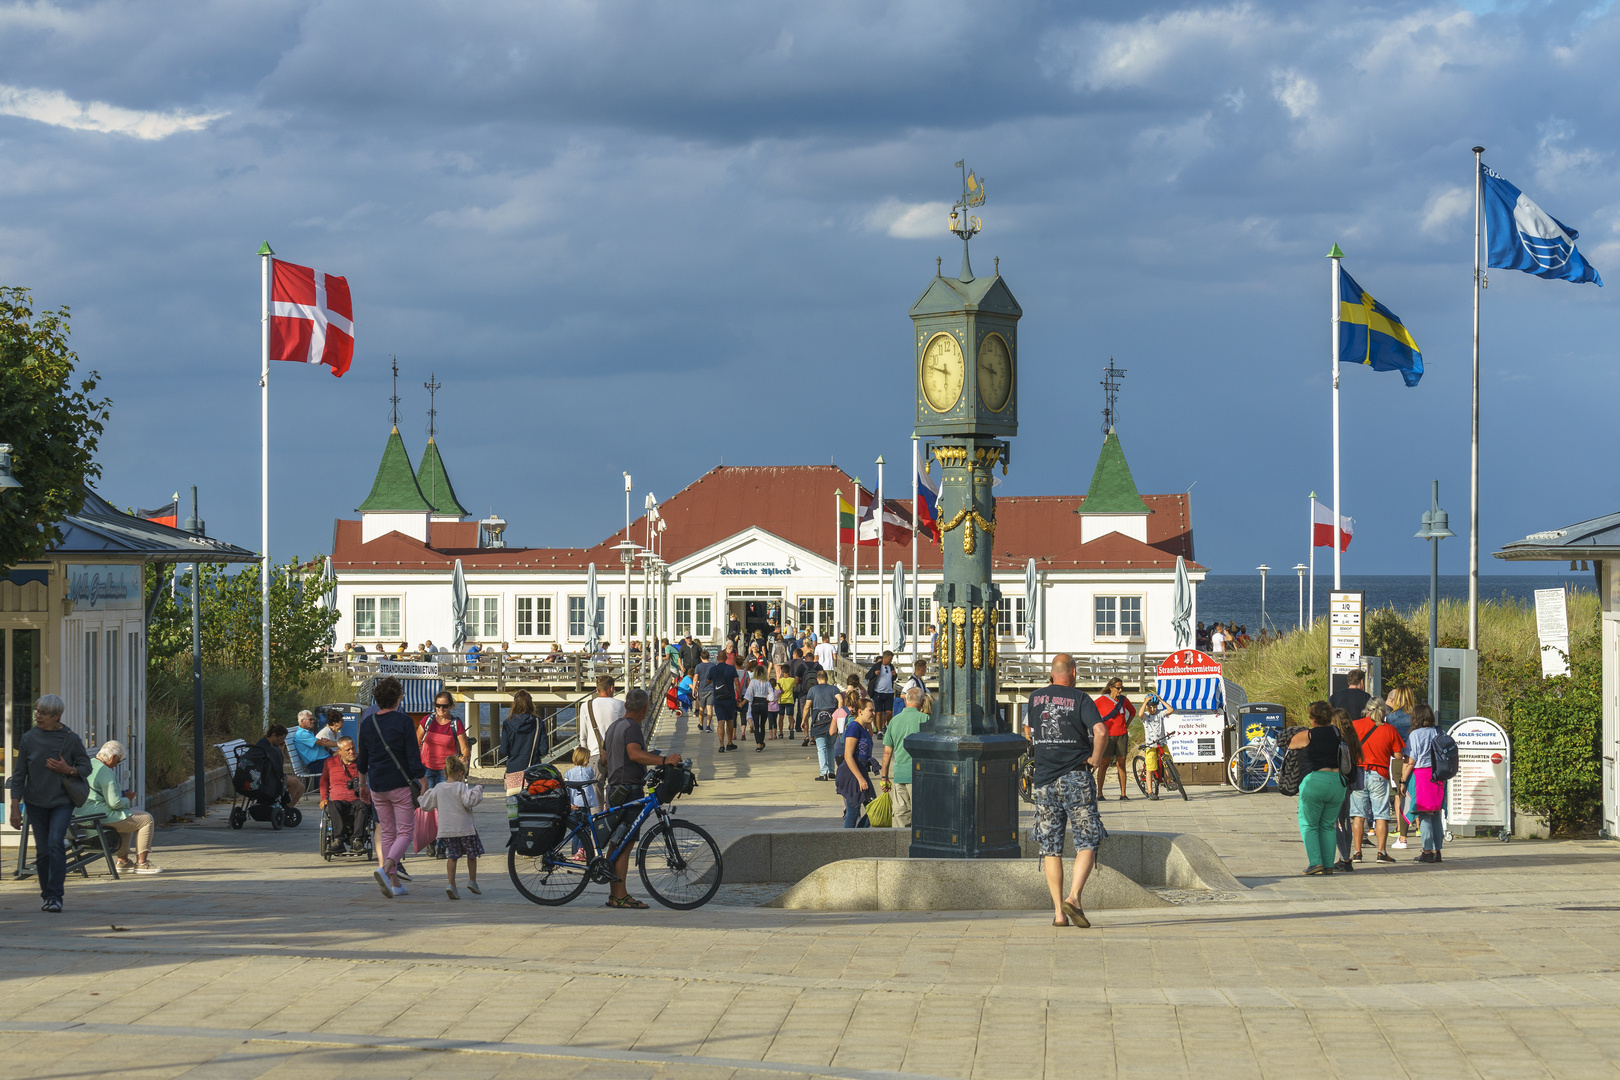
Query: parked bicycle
(557, 850)
(1164, 773)
(1254, 765)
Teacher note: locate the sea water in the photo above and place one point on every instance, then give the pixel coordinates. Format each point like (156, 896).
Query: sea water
(1235, 598)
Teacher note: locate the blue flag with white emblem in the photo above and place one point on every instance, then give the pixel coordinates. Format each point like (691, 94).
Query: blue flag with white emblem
(1371, 334)
(1519, 235)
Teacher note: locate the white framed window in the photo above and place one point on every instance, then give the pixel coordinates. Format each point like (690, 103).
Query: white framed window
(683, 615)
(824, 616)
(1117, 617)
(533, 616)
(866, 616)
(484, 617)
(632, 621)
(925, 604)
(1010, 616)
(377, 617)
(577, 628)
(703, 617)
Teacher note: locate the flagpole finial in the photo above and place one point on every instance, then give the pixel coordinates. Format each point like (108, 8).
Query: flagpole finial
(1479, 149)
(1335, 253)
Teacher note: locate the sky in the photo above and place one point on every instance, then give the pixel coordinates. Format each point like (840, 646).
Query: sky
(642, 237)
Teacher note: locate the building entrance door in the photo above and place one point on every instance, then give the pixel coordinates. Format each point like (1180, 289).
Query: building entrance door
(752, 608)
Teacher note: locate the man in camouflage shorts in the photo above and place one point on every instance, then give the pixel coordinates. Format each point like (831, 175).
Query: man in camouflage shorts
(1066, 736)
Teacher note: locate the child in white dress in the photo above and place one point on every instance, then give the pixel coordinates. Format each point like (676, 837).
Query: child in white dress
(454, 801)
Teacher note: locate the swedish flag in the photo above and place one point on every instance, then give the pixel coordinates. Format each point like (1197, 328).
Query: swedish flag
(1371, 334)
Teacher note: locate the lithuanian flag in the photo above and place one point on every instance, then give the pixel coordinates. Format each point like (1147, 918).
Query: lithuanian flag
(847, 517)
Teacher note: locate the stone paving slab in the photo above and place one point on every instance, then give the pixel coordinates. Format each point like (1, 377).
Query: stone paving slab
(251, 957)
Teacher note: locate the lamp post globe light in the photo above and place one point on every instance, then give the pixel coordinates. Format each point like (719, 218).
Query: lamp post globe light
(1263, 568)
(1300, 568)
(1435, 528)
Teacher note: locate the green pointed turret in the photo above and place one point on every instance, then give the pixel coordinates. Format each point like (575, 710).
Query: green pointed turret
(1112, 489)
(434, 483)
(395, 488)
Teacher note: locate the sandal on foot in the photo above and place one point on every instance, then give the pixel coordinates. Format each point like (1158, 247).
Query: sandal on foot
(626, 902)
(1076, 916)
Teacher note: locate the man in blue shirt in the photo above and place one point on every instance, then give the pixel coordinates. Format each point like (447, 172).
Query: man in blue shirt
(309, 753)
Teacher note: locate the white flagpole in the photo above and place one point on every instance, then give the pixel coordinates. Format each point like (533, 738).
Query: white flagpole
(1473, 439)
(838, 558)
(1334, 260)
(877, 519)
(855, 579)
(265, 260)
(1310, 540)
(916, 606)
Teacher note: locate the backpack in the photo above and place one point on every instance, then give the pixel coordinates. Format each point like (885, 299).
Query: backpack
(1443, 751)
(254, 776)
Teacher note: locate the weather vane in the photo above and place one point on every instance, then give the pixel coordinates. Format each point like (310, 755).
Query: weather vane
(432, 386)
(395, 398)
(1110, 385)
(961, 223)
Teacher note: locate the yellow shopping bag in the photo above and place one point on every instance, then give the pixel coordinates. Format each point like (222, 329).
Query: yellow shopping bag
(880, 811)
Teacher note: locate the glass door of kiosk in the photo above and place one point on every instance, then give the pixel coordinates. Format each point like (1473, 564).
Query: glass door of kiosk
(1454, 686)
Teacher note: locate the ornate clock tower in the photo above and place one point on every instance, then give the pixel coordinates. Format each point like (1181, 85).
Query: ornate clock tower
(965, 771)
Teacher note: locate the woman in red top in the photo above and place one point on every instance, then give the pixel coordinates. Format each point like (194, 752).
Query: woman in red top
(440, 736)
(1117, 713)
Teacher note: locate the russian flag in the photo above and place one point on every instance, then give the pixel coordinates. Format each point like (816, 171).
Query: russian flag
(926, 493)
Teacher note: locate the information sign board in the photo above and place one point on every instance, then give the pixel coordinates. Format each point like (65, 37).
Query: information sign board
(1344, 631)
(1552, 626)
(1196, 736)
(1480, 793)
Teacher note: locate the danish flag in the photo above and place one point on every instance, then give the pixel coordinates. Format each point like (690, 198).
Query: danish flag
(311, 317)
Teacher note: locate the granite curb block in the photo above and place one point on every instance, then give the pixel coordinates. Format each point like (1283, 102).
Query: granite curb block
(1152, 859)
(952, 885)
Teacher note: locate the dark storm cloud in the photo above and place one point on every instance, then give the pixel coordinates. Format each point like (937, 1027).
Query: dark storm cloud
(652, 236)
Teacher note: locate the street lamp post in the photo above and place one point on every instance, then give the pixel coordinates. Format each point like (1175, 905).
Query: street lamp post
(1300, 568)
(1263, 568)
(1435, 529)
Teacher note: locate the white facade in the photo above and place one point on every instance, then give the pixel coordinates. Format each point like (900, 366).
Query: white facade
(1082, 611)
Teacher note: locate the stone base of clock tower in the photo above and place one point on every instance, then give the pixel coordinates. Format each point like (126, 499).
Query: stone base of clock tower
(964, 792)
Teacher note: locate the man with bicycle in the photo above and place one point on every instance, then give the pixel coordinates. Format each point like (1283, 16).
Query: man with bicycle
(625, 748)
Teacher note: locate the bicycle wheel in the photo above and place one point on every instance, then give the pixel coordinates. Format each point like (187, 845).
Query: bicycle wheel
(551, 879)
(1172, 776)
(1139, 770)
(1249, 769)
(679, 864)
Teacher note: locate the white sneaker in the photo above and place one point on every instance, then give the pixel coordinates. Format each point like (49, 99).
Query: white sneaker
(382, 880)
(473, 887)
(450, 891)
(1399, 843)
(399, 890)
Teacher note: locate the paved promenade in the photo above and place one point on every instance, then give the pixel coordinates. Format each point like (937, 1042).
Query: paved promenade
(252, 958)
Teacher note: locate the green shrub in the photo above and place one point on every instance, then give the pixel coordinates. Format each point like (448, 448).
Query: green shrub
(1557, 728)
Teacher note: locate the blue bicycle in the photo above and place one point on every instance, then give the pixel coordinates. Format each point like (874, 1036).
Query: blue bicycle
(556, 850)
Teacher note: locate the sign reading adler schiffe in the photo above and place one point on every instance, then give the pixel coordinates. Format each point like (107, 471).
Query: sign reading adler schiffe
(1344, 631)
(964, 771)
(1478, 794)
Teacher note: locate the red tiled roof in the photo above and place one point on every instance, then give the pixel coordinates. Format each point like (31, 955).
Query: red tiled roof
(795, 502)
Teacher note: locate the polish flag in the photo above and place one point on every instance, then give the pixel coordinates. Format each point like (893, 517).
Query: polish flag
(1322, 527)
(311, 317)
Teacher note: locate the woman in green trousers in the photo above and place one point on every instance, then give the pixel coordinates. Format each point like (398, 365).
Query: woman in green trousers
(1322, 791)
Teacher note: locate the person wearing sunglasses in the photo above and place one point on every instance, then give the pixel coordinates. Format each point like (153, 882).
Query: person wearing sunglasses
(441, 735)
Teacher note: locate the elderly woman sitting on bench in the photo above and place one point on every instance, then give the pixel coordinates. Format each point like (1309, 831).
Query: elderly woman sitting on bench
(108, 800)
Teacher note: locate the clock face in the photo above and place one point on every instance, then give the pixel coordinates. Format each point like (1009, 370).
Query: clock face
(942, 372)
(995, 372)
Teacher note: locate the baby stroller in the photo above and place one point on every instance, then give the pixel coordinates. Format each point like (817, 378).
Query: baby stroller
(261, 794)
(361, 841)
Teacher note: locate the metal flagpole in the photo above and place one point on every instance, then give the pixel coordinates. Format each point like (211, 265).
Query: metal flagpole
(1333, 257)
(916, 606)
(1473, 439)
(265, 259)
(1310, 541)
(855, 578)
(877, 519)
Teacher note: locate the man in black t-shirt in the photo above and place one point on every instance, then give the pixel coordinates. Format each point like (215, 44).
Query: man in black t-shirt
(1354, 697)
(624, 747)
(1066, 737)
(723, 681)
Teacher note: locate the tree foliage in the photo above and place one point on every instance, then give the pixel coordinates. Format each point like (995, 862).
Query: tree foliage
(51, 420)
(231, 610)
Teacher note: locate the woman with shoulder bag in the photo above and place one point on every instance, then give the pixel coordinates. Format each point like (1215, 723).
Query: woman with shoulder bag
(855, 763)
(392, 764)
(1427, 796)
(48, 776)
(1321, 792)
(523, 739)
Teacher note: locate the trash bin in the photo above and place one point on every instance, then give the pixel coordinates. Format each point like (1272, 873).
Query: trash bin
(1258, 719)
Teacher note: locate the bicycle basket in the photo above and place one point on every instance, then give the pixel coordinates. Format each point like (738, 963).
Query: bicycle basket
(675, 782)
